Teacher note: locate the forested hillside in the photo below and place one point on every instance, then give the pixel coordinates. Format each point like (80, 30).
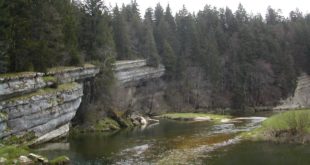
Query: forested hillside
(223, 57)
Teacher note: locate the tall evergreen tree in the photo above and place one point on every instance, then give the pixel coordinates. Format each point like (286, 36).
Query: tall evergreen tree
(96, 38)
(121, 36)
(150, 49)
(4, 35)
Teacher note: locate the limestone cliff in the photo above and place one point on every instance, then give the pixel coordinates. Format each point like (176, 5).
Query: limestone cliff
(41, 103)
(139, 87)
(44, 104)
(301, 97)
(131, 73)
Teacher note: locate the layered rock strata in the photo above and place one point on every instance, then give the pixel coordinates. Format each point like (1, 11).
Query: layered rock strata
(41, 104)
(130, 73)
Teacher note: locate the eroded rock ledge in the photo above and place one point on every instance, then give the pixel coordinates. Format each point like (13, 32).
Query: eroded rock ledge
(42, 104)
(129, 73)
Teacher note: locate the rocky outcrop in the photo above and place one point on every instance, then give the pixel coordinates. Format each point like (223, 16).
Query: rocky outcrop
(20, 83)
(130, 73)
(58, 133)
(44, 110)
(42, 104)
(301, 97)
(139, 86)
(71, 74)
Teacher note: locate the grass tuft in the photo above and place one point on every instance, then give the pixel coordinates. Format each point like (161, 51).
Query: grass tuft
(11, 153)
(290, 126)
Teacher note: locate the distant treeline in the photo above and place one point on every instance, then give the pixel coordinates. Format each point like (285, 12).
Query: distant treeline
(247, 60)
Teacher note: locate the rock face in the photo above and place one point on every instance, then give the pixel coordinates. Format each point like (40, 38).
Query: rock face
(301, 97)
(20, 83)
(30, 105)
(71, 74)
(3, 122)
(129, 73)
(139, 86)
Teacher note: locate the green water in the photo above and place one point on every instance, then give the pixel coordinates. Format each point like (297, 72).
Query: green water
(172, 142)
(261, 153)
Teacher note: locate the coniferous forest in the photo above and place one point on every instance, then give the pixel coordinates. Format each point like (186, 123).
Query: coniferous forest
(243, 60)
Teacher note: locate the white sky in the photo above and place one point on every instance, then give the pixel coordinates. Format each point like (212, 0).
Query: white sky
(252, 6)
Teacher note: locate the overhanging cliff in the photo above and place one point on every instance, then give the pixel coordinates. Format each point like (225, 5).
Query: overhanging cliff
(42, 104)
(131, 73)
(139, 87)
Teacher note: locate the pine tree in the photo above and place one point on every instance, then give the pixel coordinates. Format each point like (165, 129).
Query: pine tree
(96, 39)
(19, 36)
(150, 49)
(4, 34)
(121, 36)
(70, 13)
(169, 60)
(172, 30)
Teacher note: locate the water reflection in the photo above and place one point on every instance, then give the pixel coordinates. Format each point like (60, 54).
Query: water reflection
(169, 142)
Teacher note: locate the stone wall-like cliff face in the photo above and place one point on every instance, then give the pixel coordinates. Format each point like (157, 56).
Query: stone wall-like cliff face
(42, 111)
(43, 104)
(139, 87)
(129, 73)
(301, 97)
(20, 83)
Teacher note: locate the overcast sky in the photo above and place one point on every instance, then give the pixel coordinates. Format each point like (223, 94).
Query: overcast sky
(254, 6)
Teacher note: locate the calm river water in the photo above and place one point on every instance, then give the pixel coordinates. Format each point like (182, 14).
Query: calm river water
(173, 142)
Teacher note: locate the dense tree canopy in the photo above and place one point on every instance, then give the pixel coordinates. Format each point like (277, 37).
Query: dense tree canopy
(248, 60)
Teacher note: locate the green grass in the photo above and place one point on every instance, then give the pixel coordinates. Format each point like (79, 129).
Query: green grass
(61, 69)
(289, 124)
(298, 120)
(176, 116)
(12, 152)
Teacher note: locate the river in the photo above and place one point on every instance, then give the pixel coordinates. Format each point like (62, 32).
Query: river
(174, 142)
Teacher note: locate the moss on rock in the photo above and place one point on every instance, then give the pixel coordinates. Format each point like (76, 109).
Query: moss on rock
(11, 153)
(24, 139)
(51, 79)
(107, 124)
(61, 160)
(46, 91)
(17, 75)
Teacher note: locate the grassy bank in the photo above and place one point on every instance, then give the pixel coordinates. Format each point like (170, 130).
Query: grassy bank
(290, 126)
(11, 153)
(193, 116)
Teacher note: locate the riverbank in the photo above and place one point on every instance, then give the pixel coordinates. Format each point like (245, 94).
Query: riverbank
(15, 154)
(286, 127)
(195, 117)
